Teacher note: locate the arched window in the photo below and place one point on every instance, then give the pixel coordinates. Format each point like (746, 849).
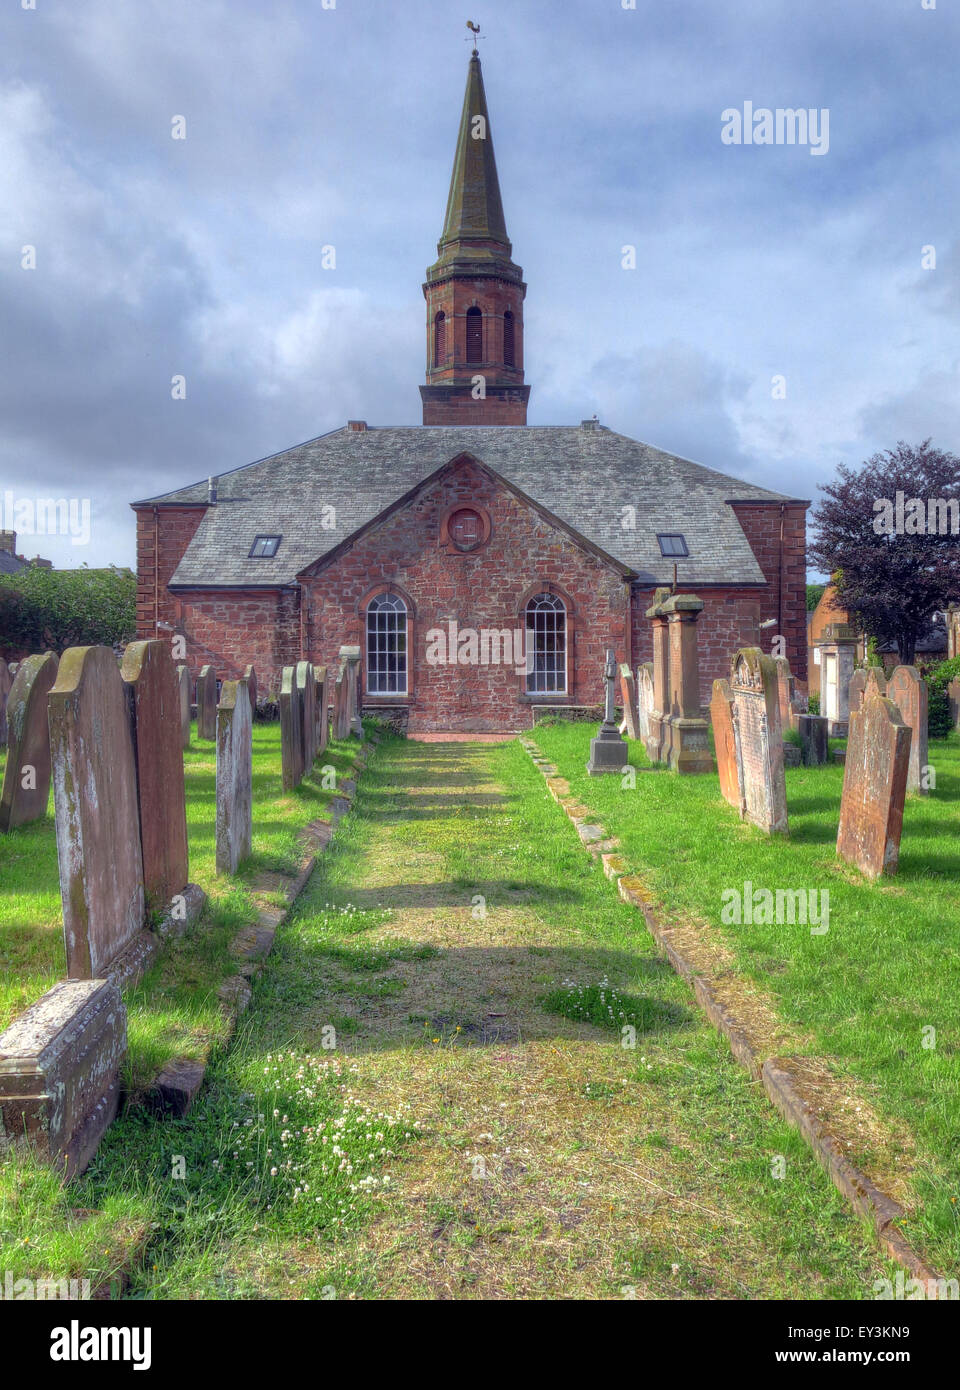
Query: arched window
(546, 639)
(386, 645)
(474, 335)
(509, 358)
(439, 339)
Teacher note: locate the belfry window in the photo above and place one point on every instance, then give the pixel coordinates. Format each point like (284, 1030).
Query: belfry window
(474, 335)
(546, 645)
(509, 352)
(386, 645)
(439, 339)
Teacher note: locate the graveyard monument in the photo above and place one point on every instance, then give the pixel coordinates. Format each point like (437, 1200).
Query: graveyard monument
(608, 751)
(754, 686)
(874, 787)
(26, 777)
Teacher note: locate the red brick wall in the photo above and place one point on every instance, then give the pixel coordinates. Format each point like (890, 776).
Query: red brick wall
(175, 530)
(728, 621)
(761, 524)
(479, 589)
(231, 628)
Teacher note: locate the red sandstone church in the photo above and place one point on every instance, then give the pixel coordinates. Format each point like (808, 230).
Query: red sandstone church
(431, 546)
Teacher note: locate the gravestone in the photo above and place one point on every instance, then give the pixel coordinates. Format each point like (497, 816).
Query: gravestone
(908, 691)
(14, 667)
(95, 800)
(307, 695)
(837, 648)
(658, 721)
(26, 777)
(644, 700)
(60, 1073)
(875, 682)
(727, 744)
(234, 776)
(754, 686)
(856, 688)
(608, 751)
(291, 733)
(155, 694)
(250, 676)
(812, 729)
(628, 697)
(874, 787)
(350, 667)
(183, 689)
(339, 707)
(689, 744)
(323, 715)
(786, 693)
(207, 703)
(6, 681)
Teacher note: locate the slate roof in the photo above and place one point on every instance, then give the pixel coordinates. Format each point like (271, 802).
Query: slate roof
(9, 564)
(584, 476)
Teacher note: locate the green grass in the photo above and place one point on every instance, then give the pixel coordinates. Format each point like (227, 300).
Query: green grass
(887, 969)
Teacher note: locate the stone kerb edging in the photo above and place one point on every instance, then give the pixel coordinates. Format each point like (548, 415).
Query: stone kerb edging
(174, 1090)
(774, 1073)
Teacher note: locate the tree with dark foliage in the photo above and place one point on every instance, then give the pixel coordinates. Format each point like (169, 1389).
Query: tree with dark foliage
(889, 534)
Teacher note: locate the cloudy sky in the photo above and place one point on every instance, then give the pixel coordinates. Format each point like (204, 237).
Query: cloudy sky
(309, 126)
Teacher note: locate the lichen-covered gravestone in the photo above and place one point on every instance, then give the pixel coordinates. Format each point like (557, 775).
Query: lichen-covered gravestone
(350, 665)
(726, 743)
(183, 688)
(874, 787)
(341, 716)
(155, 697)
(207, 703)
(234, 776)
(856, 687)
(323, 713)
(644, 700)
(291, 733)
(98, 821)
(908, 691)
(26, 777)
(6, 681)
(250, 676)
(753, 683)
(307, 695)
(814, 746)
(875, 682)
(786, 693)
(628, 696)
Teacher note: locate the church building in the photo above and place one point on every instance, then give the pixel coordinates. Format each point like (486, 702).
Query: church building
(482, 564)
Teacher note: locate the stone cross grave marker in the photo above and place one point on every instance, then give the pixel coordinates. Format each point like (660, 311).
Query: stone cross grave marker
(154, 691)
(608, 751)
(234, 835)
(874, 787)
(98, 820)
(26, 777)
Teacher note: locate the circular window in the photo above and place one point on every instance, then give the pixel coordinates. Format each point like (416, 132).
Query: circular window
(465, 528)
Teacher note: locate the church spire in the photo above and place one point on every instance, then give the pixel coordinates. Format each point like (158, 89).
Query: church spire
(474, 291)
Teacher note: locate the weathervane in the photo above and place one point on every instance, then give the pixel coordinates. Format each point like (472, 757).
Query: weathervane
(475, 31)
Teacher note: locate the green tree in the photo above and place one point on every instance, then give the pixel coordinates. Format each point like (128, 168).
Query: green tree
(43, 609)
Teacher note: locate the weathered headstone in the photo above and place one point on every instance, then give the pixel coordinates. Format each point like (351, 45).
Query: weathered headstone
(307, 695)
(341, 721)
(26, 777)
(658, 720)
(786, 693)
(183, 689)
(323, 714)
(875, 682)
(608, 751)
(95, 800)
(874, 787)
(644, 700)
(628, 697)
(155, 690)
(908, 691)
(250, 676)
(689, 750)
(856, 688)
(234, 776)
(350, 667)
(753, 684)
(60, 1073)
(812, 729)
(207, 703)
(6, 681)
(291, 732)
(723, 716)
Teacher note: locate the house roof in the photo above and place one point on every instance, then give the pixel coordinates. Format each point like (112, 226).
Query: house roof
(583, 475)
(10, 564)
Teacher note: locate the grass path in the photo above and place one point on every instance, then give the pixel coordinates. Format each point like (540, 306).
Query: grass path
(553, 1162)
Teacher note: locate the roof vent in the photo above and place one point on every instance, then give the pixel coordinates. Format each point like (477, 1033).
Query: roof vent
(357, 425)
(593, 424)
(212, 491)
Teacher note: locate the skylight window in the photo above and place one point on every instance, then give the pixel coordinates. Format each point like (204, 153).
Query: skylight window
(673, 544)
(264, 546)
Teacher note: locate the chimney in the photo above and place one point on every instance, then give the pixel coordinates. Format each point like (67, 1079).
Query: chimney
(358, 425)
(212, 491)
(8, 541)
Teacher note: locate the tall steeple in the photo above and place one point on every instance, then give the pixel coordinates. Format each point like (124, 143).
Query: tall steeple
(474, 292)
